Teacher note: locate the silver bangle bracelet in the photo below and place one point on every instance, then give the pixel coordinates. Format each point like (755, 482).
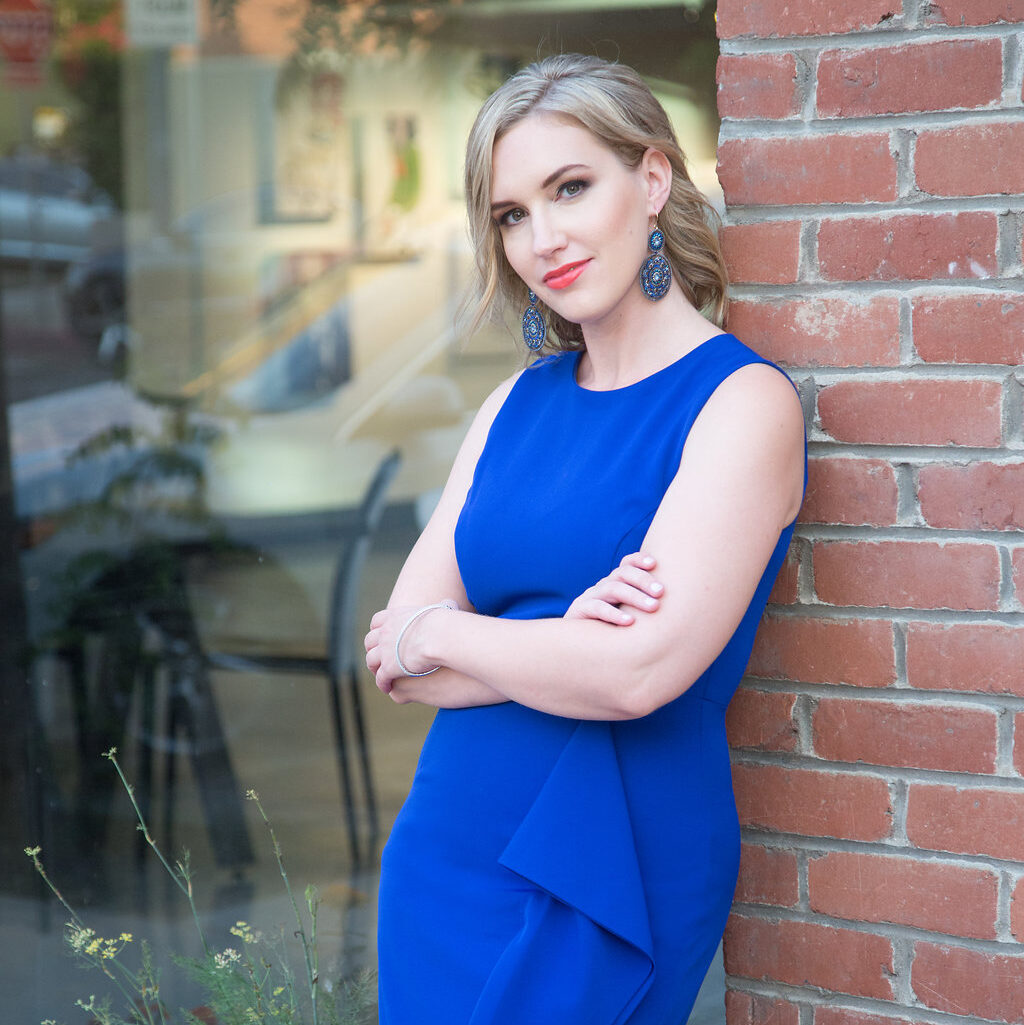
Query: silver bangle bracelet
(446, 604)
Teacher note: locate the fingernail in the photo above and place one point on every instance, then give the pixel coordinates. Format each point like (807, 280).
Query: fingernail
(648, 561)
(650, 602)
(658, 588)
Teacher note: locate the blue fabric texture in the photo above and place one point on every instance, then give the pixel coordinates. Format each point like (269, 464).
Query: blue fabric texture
(543, 869)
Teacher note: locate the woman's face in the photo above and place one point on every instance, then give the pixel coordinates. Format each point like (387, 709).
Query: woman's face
(574, 220)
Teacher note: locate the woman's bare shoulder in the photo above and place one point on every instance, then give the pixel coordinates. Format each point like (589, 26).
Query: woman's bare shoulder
(753, 425)
(490, 406)
(488, 410)
(476, 436)
(755, 391)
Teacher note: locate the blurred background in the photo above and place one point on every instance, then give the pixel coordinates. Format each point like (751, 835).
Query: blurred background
(232, 246)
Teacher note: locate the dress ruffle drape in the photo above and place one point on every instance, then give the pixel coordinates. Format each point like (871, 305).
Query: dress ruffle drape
(585, 952)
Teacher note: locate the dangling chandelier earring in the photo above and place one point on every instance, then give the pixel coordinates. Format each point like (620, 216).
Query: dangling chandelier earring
(656, 273)
(534, 328)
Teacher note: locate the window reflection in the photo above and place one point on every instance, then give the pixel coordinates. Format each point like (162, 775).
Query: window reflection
(231, 250)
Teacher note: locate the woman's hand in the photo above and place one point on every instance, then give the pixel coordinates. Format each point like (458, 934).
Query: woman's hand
(381, 644)
(630, 585)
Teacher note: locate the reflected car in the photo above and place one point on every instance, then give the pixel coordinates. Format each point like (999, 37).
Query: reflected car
(94, 294)
(207, 242)
(50, 212)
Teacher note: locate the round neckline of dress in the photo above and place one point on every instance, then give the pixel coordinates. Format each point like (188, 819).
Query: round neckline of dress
(643, 380)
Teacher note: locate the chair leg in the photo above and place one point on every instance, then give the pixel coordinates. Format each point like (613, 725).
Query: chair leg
(146, 749)
(341, 748)
(73, 656)
(364, 763)
(218, 787)
(175, 721)
(118, 663)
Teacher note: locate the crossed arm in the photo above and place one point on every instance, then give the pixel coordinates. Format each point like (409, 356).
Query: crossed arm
(738, 485)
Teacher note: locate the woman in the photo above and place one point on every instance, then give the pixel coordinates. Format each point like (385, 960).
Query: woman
(583, 601)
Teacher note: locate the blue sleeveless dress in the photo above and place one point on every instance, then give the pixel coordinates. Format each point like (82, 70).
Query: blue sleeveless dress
(544, 870)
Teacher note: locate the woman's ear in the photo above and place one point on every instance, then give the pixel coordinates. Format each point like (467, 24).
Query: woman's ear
(657, 174)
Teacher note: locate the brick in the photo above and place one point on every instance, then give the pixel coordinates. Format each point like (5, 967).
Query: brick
(767, 253)
(1017, 911)
(821, 169)
(1018, 743)
(858, 652)
(767, 18)
(768, 876)
(844, 1016)
(926, 411)
(959, 74)
(1018, 573)
(969, 328)
(974, 160)
(970, 983)
(761, 719)
(977, 12)
(952, 899)
(852, 491)
(808, 954)
(984, 658)
(904, 734)
(752, 1009)
(849, 806)
(784, 590)
(815, 332)
(907, 574)
(967, 821)
(758, 86)
(980, 496)
(909, 247)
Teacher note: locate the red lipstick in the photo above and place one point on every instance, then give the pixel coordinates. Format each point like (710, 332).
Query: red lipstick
(562, 277)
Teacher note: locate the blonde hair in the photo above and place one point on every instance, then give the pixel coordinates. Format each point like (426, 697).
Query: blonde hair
(614, 103)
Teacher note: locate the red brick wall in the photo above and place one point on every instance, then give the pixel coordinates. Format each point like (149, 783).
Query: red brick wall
(872, 158)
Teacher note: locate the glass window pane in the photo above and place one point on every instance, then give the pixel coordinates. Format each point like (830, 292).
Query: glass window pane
(232, 250)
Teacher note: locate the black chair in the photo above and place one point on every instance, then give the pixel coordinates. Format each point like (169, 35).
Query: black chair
(341, 662)
(129, 627)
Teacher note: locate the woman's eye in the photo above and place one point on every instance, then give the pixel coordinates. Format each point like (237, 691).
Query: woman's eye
(573, 188)
(510, 217)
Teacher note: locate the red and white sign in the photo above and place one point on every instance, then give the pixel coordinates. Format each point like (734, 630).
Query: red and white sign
(26, 32)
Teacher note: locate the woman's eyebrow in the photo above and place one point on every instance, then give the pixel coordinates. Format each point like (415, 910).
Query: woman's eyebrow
(548, 181)
(552, 178)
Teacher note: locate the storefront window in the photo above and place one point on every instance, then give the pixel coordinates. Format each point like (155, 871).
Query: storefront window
(232, 249)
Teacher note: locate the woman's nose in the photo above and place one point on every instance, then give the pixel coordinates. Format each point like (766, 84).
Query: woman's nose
(547, 236)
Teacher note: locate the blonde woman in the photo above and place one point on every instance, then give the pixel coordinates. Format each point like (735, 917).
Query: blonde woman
(582, 603)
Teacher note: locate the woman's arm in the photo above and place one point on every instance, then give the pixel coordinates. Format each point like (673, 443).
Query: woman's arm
(431, 571)
(613, 599)
(739, 484)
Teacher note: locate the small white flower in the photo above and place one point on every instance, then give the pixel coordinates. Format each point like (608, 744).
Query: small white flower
(227, 958)
(79, 937)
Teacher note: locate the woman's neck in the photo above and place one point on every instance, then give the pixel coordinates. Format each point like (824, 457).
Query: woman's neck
(639, 339)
